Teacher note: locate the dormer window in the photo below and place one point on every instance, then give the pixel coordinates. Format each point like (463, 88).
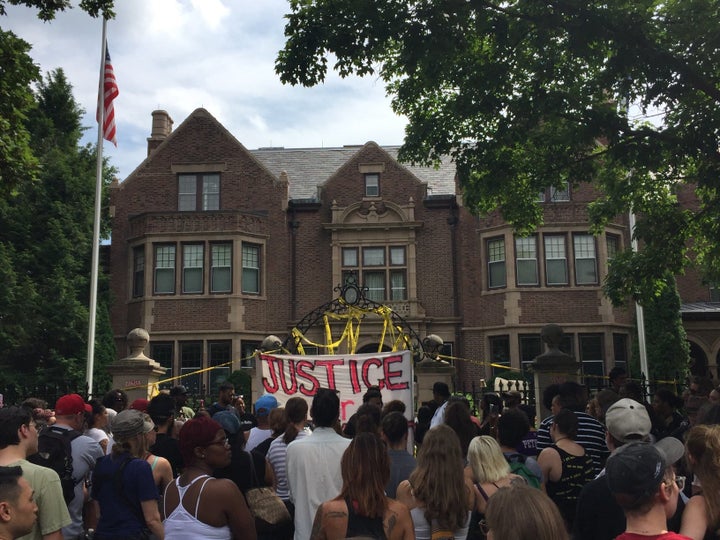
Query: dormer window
(372, 184)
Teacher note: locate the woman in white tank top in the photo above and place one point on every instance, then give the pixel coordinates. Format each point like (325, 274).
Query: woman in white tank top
(197, 505)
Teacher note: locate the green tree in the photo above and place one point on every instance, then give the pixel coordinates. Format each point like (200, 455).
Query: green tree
(18, 73)
(668, 350)
(45, 251)
(524, 94)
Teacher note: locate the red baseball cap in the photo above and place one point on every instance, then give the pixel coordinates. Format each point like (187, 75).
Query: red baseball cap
(71, 404)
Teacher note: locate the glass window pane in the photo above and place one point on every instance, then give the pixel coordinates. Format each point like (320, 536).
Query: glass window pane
(139, 271)
(251, 268)
(560, 194)
(496, 250)
(221, 275)
(398, 288)
(187, 186)
(585, 271)
(496, 263)
(191, 354)
(555, 260)
(497, 274)
(557, 272)
(164, 269)
(397, 256)
(372, 185)
(613, 244)
(375, 282)
(527, 272)
(374, 256)
(211, 192)
(219, 353)
(585, 264)
(162, 353)
(193, 268)
(350, 257)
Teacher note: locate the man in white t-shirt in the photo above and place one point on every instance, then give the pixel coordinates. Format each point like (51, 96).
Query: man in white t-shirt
(313, 462)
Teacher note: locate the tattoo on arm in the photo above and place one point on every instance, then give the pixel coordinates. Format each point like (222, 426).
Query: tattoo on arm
(337, 514)
(391, 525)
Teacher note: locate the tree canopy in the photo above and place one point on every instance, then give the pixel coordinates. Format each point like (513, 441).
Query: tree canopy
(525, 94)
(46, 232)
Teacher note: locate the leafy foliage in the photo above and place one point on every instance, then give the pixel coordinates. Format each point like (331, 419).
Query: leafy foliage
(47, 9)
(525, 94)
(45, 251)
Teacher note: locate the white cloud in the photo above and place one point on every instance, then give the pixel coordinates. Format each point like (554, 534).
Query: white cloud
(179, 55)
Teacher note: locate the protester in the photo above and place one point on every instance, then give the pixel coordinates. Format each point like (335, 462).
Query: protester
(197, 505)
(122, 484)
(565, 465)
(441, 394)
(491, 407)
(512, 427)
(457, 417)
(598, 516)
(70, 412)
(18, 440)
(115, 401)
(362, 510)
(18, 511)
(162, 412)
(591, 433)
(701, 518)
(160, 467)
(258, 434)
(646, 488)
(313, 462)
(182, 412)
(402, 463)
(488, 471)
(672, 423)
(296, 410)
(519, 512)
(438, 496)
(372, 397)
(97, 421)
(226, 392)
(277, 419)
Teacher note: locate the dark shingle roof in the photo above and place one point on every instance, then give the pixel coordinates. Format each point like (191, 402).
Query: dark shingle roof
(308, 168)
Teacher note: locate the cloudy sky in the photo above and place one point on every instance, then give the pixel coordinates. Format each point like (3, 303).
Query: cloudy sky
(179, 55)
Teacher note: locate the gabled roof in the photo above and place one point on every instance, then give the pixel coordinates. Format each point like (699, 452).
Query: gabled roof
(308, 168)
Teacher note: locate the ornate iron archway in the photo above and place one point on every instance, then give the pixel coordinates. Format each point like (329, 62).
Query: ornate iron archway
(352, 307)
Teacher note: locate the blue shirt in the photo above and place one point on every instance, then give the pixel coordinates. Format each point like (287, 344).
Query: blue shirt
(121, 516)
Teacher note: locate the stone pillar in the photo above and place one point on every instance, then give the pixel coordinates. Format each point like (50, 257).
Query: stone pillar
(553, 366)
(136, 373)
(428, 373)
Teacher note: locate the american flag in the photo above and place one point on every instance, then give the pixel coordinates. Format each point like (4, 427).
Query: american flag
(110, 92)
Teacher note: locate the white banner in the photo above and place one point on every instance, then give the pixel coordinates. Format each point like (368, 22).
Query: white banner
(287, 376)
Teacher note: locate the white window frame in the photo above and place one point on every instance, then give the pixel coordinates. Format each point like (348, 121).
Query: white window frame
(193, 263)
(251, 262)
(553, 256)
(496, 257)
(585, 254)
(164, 259)
(526, 257)
(220, 265)
(372, 184)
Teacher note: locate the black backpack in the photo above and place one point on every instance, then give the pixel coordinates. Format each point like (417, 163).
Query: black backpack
(55, 452)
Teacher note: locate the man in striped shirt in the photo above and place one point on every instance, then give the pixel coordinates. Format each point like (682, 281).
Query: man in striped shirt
(591, 433)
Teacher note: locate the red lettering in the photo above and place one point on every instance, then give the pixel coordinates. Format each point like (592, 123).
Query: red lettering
(300, 368)
(271, 389)
(292, 387)
(329, 366)
(389, 375)
(343, 408)
(366, 368)
(354, 383)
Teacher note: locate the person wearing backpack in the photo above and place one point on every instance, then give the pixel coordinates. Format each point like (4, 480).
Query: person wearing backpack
(123, 486)
(513, 425)
(18, 440)
(70, 412)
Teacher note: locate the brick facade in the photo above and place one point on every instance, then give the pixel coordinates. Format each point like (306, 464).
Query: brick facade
(300, 213)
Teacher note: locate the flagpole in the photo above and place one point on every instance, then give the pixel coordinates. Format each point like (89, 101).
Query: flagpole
(96, 224)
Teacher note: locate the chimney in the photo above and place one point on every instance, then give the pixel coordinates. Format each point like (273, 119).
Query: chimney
(161, 128)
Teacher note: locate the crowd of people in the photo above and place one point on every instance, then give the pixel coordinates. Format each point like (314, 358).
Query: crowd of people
(612, 466)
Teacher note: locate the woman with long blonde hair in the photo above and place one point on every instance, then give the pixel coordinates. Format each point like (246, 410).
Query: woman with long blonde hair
(701, 517)
(487, 470)
(521, 512)
(438, 496)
